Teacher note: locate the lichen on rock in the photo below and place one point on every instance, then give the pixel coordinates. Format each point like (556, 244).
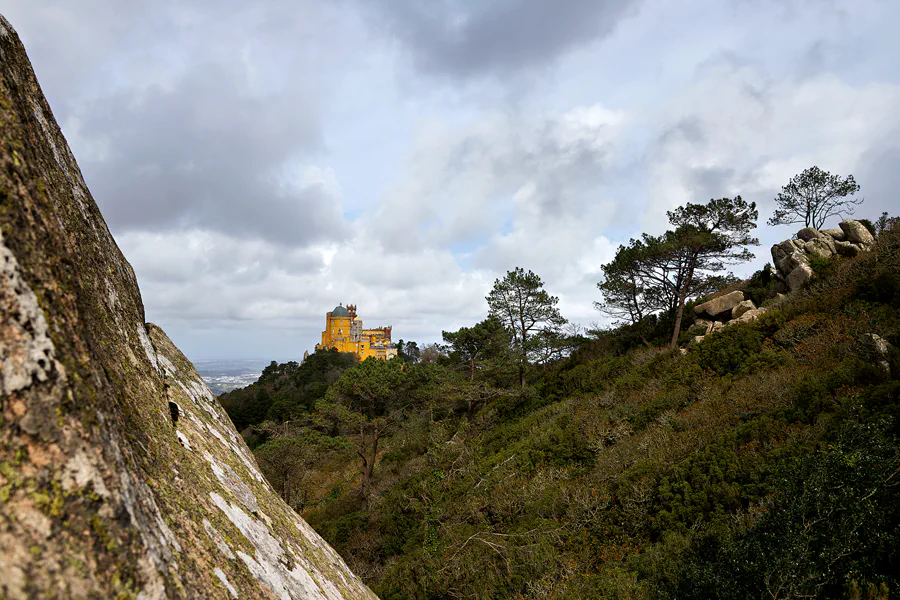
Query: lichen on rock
(106, 490)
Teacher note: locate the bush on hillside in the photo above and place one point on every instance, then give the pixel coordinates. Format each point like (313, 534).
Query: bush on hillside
(727, 351)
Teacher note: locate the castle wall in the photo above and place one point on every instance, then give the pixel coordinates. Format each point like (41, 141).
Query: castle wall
(346, 334)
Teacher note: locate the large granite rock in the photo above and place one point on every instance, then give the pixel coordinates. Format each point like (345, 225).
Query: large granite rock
(878, 351)
(719, 305)
(807, 233)
(788, 255)
(748, 316)
(857, 233)
(837, 235)
(824, 245)
(120, 474)
(847, 249)
(799, 277)
(792, 257)
(741, 308)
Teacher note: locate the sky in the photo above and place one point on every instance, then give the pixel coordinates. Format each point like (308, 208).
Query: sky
(261, 162)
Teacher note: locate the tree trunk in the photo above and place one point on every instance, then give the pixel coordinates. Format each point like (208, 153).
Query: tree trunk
(369, 466)
(679, 313)
(473, 369)
(364, 469)
(364, 484)
(524, 360)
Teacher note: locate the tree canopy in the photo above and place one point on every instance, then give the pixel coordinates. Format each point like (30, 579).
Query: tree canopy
(520, 302)
(813, 197)
(658, 273)
(482, 340)
(364, 402)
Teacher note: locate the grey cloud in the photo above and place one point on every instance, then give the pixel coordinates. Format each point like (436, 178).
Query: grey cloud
(712, 182)
(206, 154)
(880, 180)
(466, 179)
(187, 116)
(689, 129)
(464, 38)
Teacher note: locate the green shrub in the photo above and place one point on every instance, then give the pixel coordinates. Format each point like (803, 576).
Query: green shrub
(762, 285)
(821, 266)
(560, 444)
(726, 351)
(883, 287)
(833, 523)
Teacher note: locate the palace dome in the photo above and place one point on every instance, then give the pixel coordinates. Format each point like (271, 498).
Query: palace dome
(340, 311)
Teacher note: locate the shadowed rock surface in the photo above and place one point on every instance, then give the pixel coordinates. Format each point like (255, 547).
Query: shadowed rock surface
(120, 474)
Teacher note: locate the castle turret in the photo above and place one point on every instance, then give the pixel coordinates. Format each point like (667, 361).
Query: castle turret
(345, 333)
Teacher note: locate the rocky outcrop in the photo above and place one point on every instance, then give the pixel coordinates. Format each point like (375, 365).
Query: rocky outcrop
(120, 474)
(720, 304)
(747, 316)
(878, 351)
(856, 233)
(799, 277)
(792, 257)
(835, 234)
(742, 308)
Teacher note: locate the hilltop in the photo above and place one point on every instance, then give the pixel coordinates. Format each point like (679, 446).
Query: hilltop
(760, 461)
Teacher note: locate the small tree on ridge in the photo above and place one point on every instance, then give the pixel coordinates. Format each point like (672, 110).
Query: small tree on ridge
(813, 197)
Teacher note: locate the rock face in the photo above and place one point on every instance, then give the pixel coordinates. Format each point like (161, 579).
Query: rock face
(836, 234)
(791, 257)
(857, 233)
(719, 305)
(120, 474)
(878, 350)
(747, 316)
(799, 277)
(741, 308)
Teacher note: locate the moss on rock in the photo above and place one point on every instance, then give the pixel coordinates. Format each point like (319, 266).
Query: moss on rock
(103, 493)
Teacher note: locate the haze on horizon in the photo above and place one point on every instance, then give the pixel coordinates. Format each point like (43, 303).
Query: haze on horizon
(259, 163)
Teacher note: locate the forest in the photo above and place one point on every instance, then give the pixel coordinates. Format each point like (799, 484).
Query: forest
(526, 458)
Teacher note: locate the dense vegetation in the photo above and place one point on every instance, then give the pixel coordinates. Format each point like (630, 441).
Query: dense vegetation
(765, 462)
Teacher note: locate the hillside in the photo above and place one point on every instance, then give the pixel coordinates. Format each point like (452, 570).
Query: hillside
(763, 463)
(120, 475)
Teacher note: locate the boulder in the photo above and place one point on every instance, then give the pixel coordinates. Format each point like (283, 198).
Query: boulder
(835, 234)
(857, 233)
(821, 247)
(703, 324)
(696, 340)
(847, 249)
(807, 233)
(878, 350)
(750, 315)
(717, 306)
(122, 476)
(799, 276)
(741, 308)
(788, 255)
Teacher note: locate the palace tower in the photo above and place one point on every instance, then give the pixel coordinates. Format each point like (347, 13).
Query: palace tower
(344, 332)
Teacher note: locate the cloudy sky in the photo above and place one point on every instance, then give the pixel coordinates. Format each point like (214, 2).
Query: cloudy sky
(259, 162)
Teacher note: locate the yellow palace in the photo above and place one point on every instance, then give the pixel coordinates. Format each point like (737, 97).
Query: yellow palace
(344, 332)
